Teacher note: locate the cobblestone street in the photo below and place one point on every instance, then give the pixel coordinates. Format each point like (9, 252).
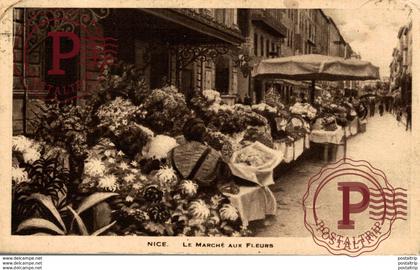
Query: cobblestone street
(385, 144)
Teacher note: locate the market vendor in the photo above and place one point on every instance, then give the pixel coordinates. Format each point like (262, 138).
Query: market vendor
(197, 161)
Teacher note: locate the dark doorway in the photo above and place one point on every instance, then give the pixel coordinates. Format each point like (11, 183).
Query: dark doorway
(222, 75)
(159, 69)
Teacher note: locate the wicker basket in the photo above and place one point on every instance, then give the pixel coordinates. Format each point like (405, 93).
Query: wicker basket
(196, 161)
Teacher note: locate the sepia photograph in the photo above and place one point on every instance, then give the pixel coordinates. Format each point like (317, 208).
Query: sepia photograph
(253, 123)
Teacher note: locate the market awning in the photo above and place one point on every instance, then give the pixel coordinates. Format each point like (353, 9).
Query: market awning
(316, 67)
(291, 82)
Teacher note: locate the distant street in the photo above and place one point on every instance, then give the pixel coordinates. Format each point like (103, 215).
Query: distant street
(385, 144)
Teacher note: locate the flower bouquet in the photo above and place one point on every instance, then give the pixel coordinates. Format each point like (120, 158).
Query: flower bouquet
(303, 109)
(255, 163)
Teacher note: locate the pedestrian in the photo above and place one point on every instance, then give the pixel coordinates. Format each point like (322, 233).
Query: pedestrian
(399, 114)
(408, 112)
(381, 108)
(248, 100)
(372, 107)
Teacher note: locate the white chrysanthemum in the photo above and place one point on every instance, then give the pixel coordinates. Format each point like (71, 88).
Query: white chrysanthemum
(166, 176)
(111, 160)
(137, 186)
(212, 96)
(94, 167)
(134, 163)
(229, 212)
(142, 178)
(199, 209)
(216, 200)
(120, 153)
(259, 106)
(21, 143)
(129, 198)
(236, 234)
(123, 165)
(19, 175)
(214, 107)
(129, 178)
(158, 147)
(189, 188)
(108, 153)
(31, 155)
(108, 182)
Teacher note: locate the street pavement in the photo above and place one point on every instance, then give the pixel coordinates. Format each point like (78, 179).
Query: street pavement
(385, 144)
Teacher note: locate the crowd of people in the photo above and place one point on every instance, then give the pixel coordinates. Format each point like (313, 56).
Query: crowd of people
(393, 106)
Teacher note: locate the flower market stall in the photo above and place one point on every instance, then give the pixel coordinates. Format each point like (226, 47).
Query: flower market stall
(325, 68)
(130, 160)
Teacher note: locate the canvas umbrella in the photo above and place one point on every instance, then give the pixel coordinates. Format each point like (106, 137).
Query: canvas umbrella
(315, 67)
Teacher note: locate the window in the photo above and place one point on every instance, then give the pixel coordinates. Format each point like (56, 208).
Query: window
(222, 75)
(256, 44)
(267, 48)
(262, 45)
(292, 34)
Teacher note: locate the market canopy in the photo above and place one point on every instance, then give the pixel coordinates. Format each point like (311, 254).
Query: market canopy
(315, 67)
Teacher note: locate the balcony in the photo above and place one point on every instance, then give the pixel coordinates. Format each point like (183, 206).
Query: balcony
(199, 25)
(267, 21)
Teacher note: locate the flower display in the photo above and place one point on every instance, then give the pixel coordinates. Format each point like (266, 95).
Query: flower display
(129, 178)
(188, 188)
(262, 107)
(108, 140)
(158, 213)
(19, 175)
(31, 155)
(252, 157)
(304, 109)
(199, 209)
(116, 114)
(220, 142)
(212, 96)
(166, 111)
(153, 194)
(29, 149)
(108, 182)
(166, 177)
(65, 126)
(94, 167)
(224, 118)
(216, 200)
(254, 134)
(229, 212)
(21, 143)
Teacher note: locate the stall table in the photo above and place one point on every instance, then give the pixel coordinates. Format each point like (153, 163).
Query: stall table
(328, 139)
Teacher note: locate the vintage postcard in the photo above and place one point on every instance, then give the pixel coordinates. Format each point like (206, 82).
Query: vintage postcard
(176, 127)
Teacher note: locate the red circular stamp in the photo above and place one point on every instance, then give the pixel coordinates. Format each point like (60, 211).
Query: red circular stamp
(63, 50)
(350, 207)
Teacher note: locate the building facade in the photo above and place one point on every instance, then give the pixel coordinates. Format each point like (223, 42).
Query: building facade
(193, 49)
(401, 64)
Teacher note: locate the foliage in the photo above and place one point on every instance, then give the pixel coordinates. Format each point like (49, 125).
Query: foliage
(65, 126)
(223, 118)
(36, 170)
(183, 211)
(121, 80)
(56, 224)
